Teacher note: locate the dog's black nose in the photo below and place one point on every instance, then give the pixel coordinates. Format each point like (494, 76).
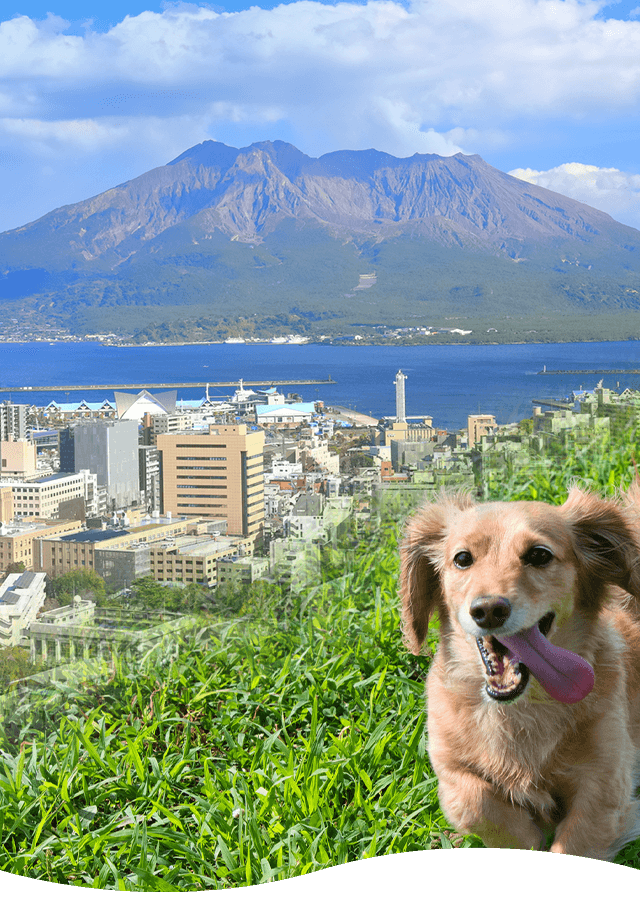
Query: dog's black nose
(490, 612)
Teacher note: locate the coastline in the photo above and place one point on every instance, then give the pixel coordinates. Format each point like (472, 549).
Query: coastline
(326, 343)
(446, 381)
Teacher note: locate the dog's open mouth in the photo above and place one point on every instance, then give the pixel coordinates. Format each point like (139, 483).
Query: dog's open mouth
(506, 677)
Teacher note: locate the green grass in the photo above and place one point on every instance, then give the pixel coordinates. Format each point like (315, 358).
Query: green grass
(252, 751)
(605, 465)
(256, 753)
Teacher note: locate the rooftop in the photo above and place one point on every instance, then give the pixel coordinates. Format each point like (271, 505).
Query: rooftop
(94, 535)
(19, 529)
(57, 477)
(15, 588)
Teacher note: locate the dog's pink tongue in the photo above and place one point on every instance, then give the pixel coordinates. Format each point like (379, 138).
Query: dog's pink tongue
(564, 675)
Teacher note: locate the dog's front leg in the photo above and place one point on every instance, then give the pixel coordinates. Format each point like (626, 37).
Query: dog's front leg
(473, 806)
(600, 815)
(591, 831)
(600, 810)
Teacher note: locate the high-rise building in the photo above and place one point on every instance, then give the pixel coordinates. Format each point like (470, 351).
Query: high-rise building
(478, 426)
(401, 415)
(218, 475)
(150, 476)
(67, 446)
(13, 421)
(110, 449)
(18, 454)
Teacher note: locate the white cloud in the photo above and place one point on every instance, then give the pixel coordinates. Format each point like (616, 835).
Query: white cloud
(610, 190)
(450, 62)
(404, 77)
(76, 134)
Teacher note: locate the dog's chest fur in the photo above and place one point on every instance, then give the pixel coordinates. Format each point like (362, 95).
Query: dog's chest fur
(526, 749)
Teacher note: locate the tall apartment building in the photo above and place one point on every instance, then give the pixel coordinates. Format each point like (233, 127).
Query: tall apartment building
(218, 474)
(108, 448)
(166, 423)
(478, 426)
(13, 421)
(150, 477)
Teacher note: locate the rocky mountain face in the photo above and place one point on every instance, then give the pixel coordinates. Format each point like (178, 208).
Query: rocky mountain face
(266, 229)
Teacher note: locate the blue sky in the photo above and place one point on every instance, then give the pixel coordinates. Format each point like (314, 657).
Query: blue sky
(92, 95)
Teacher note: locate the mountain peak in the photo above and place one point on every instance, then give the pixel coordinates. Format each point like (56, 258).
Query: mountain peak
(227, 228)
(208, 153)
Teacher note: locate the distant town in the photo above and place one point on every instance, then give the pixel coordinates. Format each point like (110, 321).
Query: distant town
(225, 493)
(17, 332)
(532, 328)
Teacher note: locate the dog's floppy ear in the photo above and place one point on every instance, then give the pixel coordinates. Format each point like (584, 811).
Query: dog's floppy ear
(420, 587)
(604, 541)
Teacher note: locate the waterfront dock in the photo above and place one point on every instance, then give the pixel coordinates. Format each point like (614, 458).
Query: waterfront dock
(546, 371)
(165, 386)
(556, 404)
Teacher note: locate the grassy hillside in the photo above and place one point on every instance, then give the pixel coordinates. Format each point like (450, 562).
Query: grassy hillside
(283, 740)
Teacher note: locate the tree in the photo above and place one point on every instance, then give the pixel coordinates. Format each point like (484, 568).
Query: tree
(150, 593)
(525, 426)
(12, 568)
(89, 585)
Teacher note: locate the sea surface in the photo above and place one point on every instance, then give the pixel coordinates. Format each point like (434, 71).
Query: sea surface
(446, 382)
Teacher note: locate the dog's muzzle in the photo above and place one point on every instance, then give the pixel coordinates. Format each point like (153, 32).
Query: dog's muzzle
(505, 676)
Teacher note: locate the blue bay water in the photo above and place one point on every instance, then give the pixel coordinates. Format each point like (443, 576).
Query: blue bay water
(446, 382)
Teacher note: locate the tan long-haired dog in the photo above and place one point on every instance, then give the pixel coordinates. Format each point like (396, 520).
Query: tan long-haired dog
(533, 695)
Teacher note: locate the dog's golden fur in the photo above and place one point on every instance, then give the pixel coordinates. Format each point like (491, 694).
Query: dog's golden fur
(516, 773)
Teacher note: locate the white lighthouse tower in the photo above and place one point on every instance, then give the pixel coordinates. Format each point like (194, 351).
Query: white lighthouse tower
(400, 407)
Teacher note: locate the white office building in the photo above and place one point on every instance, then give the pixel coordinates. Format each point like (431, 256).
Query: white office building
(41, 499)
(22, 595)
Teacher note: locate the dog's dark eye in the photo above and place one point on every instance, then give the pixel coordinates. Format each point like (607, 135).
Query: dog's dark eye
(463, 559)
(538, 557)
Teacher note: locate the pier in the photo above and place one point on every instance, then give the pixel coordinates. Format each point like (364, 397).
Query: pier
(166, 386)
(546, 371)
(556, 404)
